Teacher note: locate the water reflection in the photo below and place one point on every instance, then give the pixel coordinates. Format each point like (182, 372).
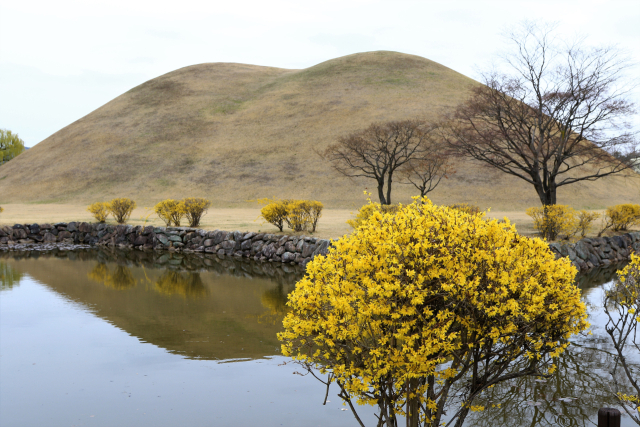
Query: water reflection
(187, 285)
(8, 277)
(202, 307)
(119, 277)
(207, 307)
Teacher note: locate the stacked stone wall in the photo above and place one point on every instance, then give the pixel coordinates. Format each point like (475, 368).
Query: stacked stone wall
(259, 246)
(592, 252)
(586, 254)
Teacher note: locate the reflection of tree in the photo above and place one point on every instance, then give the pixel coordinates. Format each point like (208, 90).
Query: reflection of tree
(274, 299)
(569, 397)
(189, 285)
(8, 277)
(622, 307)
(119, 277)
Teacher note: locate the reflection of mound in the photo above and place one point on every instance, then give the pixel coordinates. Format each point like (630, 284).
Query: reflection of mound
(119, 278)
(8, 277)
(189, 285)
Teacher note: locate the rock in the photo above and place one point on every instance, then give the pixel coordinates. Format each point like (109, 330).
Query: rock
(269, 250)
(283, 240)
(175, 239)
(19, 234)
(245, 245)
(299, 245)
(322, 247)
(228, 245)
(257, 237)
(49, 238)
(162, 239)
(64, 235)
(34, 229)
(256, 247)
(280, 251)
(208, 242)
(290, 246)
(288, 256)
(140, 241)
(85, 227)
(72, 226)
(307, 249)
(582, 251)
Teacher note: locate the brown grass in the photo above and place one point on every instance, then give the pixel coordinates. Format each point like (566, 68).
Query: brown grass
(234, 132)
(332, 224)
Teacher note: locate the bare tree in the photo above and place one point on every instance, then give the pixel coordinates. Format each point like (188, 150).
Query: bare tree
(426, 173)
(379, 151)
(554, 119)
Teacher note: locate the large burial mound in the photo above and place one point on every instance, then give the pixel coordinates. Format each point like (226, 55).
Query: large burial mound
(234, 132)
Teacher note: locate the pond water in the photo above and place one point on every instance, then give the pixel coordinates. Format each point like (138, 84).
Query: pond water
(104, 338)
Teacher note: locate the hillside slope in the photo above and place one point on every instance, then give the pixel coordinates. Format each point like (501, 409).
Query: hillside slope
(233, 132)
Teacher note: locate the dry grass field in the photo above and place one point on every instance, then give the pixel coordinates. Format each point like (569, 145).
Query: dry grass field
(332, 224)
(235, 132)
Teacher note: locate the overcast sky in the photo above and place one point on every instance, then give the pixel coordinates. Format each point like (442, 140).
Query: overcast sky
(62, 59)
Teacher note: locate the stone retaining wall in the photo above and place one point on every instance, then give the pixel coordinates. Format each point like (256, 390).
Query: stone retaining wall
(259, 246)
(586, 254)
(594, 252)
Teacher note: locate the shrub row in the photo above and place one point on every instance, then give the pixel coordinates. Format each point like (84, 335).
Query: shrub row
(563, 221)
(299, 215)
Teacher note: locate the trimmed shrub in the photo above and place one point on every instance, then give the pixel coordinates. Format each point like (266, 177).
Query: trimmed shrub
(391, 308)
(466, 208)
(121, 209)
(1, 209)
(368, 210)
(194, 209)
(275, 213)
(553, 220)
(299, 215)
(99, 210)
(585, 219)
(170, 211)
(621, 217)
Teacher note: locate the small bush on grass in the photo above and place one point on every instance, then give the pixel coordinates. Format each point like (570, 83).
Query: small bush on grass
(121, 209)
(585, 221)
(100, 211)
(275, 212)
(1, 209)
(299, 215)
(170, 211)
(553, 220)
(194, 209)
(622, 217)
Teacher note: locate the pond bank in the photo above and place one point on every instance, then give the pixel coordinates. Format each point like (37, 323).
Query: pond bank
(258, 246)
(586, 254)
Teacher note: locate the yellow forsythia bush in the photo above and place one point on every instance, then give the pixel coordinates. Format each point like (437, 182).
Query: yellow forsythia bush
(368, 210)
(100, 211)
(275, 212)
(1, 209)
(553, 220)
(170, 211)
(585, 220)
(394, 305)
(303, 215)
(121, 209)
(194, 209)
(621, 217)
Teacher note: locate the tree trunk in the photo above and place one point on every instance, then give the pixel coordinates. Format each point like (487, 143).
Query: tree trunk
(388, 201)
